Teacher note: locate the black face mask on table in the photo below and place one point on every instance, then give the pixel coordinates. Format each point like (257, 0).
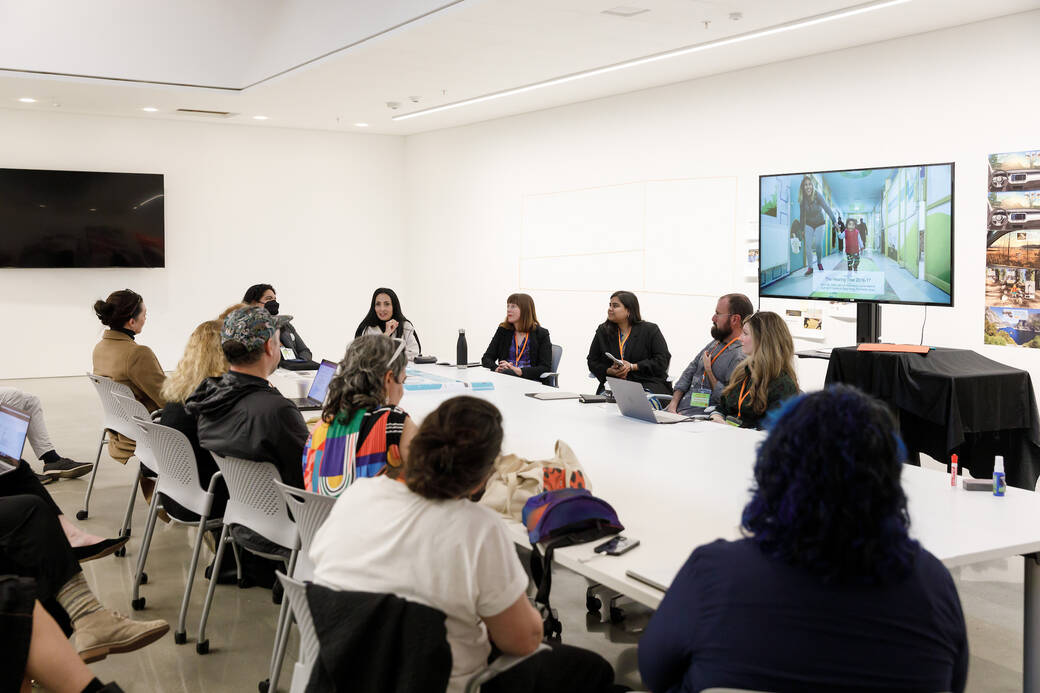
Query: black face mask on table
(272, 307)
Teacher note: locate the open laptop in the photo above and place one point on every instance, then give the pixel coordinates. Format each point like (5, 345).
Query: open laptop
(632, 401)
(14, 425)
(315, 398)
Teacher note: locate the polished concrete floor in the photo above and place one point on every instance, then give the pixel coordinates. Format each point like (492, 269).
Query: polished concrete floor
(242, 622)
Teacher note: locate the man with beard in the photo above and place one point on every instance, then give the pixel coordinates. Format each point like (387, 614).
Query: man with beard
(702, 382)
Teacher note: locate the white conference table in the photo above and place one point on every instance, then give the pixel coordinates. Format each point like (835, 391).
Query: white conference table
(677, 487)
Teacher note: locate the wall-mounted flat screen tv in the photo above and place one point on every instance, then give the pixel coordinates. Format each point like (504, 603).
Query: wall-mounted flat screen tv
(883, 235)
(81, 219)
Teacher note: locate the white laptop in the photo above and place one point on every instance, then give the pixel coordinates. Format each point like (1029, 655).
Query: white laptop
(14, 425)
(315, 398)
(632, 401)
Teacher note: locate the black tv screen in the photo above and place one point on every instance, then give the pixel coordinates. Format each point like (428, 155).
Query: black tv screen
(883, 235)
(81, 219)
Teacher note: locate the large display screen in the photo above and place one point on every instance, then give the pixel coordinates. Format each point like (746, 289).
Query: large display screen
(883, 234)
(81, 219)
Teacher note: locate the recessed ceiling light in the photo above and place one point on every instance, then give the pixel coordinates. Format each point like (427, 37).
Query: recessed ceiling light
(361, 125)
(149, 109)
(665, 55)
(26, 99)
(624, 11)
(259, 117)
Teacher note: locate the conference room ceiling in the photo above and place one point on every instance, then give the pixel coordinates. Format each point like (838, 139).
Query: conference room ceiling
(330, 65)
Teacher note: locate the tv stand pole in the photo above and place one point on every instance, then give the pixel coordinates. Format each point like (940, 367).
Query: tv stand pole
(868, 322)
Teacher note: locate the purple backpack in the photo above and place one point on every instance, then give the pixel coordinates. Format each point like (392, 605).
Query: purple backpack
(562, 518)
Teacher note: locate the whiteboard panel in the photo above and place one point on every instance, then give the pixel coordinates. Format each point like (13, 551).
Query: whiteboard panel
(602, 272)
(583, 221)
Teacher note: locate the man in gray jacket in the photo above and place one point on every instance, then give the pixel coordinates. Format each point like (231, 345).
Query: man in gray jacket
(702, 382)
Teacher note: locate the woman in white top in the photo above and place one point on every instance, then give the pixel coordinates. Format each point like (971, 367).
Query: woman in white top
(421, 538)
(385, 317)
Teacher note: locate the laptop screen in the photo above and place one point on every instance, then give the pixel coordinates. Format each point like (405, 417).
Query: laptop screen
(13, 427)
(320, 386)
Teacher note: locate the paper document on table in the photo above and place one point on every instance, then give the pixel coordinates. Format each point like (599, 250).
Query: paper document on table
(427, 382)
(552, 395)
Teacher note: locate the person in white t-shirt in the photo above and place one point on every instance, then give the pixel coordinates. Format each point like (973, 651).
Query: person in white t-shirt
(421, 538)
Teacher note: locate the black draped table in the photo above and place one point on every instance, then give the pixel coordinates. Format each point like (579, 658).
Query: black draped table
(953, 401)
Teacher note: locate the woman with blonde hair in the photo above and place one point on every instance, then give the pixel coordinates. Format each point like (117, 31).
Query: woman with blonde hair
(362, 433)
(203, 358)
(765, 378)
(520, 345)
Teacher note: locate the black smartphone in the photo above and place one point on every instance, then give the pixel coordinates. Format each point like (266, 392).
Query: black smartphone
(616, 546)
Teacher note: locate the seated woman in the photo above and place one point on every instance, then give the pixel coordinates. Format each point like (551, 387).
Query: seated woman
(203, 358)
(520, 345)
(295, 354)
(385, 317)
(827, 592)
(362, 410)
(637, 344)
(119, 357)
(425, 541)
(765, 378)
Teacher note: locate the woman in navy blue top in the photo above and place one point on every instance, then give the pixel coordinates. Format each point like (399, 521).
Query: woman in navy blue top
(827, 592)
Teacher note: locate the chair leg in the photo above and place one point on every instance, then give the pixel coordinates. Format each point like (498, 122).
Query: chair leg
(85, 512)
(180, 635)
(281, 643)
(202, 646)
(136, 601)
(124, 529)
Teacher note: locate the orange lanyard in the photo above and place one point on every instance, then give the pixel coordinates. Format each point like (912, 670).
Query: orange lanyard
(520, 349)
(740, 402)
(717, 355)
(621, 344)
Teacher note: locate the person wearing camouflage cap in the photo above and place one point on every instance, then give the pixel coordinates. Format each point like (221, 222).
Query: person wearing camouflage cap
(240, 414)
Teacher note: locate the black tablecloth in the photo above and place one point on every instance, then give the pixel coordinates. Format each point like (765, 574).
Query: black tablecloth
(953, 401)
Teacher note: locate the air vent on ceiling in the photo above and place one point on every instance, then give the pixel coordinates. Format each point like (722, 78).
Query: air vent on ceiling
(204, 113)
(624, 11)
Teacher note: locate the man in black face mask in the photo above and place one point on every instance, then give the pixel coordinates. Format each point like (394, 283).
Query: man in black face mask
(702, 382)
(295, 354)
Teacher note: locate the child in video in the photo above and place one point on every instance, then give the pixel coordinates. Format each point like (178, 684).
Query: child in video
(852, 245)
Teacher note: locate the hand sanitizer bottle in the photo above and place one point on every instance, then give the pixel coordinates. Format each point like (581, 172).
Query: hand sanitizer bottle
(999, 483)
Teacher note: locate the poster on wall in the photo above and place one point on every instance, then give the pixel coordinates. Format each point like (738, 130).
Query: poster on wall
(1013, 249)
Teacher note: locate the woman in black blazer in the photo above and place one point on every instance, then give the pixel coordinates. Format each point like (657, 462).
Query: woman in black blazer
(638, 344)
(520, 346)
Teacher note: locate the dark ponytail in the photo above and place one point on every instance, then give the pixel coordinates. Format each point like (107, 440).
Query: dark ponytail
(455, 448)
(118, 308)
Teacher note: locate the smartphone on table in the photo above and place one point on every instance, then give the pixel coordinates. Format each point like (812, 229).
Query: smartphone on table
(615, 546)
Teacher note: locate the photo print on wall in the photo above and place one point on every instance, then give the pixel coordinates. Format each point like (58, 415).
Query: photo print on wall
(1013, 249)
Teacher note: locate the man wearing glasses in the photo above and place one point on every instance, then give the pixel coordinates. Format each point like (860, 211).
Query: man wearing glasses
(708, 373)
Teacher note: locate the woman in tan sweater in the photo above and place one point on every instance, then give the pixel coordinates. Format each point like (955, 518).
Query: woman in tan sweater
(119, 357)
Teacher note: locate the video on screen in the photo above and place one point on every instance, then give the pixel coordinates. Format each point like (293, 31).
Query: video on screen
(881, 235)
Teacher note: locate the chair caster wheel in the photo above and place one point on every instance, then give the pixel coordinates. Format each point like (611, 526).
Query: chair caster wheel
(137, 604)
(264, 685)
(180, 637)
(616, 615)
(81, 514)
(202, 647)
(120, 552)
(144, 578)
(593, 604)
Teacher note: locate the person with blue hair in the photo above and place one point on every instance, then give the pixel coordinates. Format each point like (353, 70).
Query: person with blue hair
(826, 591)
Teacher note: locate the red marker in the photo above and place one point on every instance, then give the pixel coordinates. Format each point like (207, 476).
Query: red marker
(953, 470)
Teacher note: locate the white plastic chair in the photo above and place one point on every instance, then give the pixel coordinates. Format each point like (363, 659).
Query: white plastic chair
(178, 479)
(114, 419)
(310, 510)
(257, 504)
(130, 408)
(296, 594)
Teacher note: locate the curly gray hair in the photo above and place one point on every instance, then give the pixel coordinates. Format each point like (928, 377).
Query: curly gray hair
(358, 383)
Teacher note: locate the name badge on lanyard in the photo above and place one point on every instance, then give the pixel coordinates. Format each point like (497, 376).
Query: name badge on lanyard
(288, 354)
(700, 397)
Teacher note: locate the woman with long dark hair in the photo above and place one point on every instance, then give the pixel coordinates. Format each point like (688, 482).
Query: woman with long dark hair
(639, 347)
(827, 591)
(118, 356)
(385, 317)
(520, 346)
(765, 378)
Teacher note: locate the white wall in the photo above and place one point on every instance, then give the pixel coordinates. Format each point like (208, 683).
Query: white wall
(955, 95)
(318, 215)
